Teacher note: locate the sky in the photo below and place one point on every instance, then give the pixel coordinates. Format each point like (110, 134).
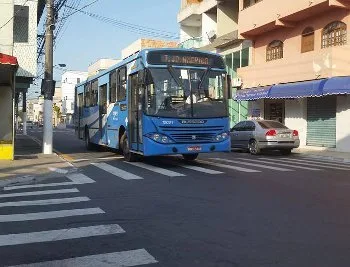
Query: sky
(84, 39)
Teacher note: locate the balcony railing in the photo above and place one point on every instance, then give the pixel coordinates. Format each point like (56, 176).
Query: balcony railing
(196, 42)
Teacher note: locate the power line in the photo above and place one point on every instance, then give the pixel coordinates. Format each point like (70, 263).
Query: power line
(13, 15)
(131, 27)
(78, 10)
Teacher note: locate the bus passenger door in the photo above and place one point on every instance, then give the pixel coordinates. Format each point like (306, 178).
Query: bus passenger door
(135, 113)
(103, 114)
(80, 105)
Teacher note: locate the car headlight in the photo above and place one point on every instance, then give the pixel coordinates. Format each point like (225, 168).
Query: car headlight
(160, 138)
(221, 137)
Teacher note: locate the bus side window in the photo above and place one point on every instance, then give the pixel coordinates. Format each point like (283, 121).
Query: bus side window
(87, 95)
(121, 93)
(112, 86)
(94, 93)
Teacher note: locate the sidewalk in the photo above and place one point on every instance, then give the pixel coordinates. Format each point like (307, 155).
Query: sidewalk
(341, 157)
(29, 164)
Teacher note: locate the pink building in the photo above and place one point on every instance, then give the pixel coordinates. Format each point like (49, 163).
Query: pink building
(300, 67)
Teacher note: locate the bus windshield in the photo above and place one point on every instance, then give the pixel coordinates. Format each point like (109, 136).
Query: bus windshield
(185, 93)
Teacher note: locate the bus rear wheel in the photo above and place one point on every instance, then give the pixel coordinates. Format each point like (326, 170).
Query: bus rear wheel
(128, 156)
(190, 157)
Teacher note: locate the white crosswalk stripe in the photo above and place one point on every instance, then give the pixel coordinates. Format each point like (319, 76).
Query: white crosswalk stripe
(37, 193)
(49, 215)
(44, 202)
(320, 163)
(62, 234)
(280, 164)
(301, 162)
(116, 259)
(200, 169)
(76, 179)
(254, 165)
(156, 169)
(225, 166)
(116, 171)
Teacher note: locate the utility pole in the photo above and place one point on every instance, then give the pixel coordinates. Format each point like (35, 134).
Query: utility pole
(48, 82)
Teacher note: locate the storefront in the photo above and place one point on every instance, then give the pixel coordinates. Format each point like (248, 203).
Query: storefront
(8, 67)
(318, 109)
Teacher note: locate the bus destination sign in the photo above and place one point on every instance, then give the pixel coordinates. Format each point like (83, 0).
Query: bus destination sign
(185, 58)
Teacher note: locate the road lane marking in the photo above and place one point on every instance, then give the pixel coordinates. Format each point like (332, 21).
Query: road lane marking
(115, 259)
(116, 171)
(44, 202)
(281, 164)
(37, 193)
(76, 179)
(115, 157)
(342, 165)
(200, 169)
(156, 169)
(300, 162)
(62, 171)
(254, 165)
(62, 234)
(236, 168)
(80, 160)
(49, 215)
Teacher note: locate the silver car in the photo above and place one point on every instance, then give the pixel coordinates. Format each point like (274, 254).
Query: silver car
(257, 136)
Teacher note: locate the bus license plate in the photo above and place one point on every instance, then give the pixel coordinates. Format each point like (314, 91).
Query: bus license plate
(194, 148)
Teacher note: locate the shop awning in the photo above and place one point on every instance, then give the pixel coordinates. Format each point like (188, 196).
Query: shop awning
(8, 66)
(337, 86)
(298, 89)
(253, 93)
(8, 60)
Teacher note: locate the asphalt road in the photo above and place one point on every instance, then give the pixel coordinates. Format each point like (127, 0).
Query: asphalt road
(228, 209)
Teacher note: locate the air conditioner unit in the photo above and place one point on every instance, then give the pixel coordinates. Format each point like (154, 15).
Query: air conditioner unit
(237, 82)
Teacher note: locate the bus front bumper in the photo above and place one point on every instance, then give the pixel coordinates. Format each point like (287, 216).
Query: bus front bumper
(152, 148)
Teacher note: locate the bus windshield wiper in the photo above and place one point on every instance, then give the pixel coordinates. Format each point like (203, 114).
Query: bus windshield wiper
(204, 76)
(173, 75)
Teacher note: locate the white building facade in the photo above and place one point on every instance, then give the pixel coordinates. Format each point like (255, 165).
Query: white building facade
(69, 80)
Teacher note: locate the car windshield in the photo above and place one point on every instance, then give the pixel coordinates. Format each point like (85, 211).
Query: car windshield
(271, 124)
(185, 93)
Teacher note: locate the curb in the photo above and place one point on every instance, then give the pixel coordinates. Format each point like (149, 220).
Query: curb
(313, 156)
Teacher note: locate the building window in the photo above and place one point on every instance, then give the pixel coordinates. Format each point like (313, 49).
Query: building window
(334, 34)
(78, 80)
(274, 50)
(307, 40)
(21, 24)
(236, 60)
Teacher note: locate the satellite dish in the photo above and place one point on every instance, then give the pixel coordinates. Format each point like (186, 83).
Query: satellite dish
(211, 35)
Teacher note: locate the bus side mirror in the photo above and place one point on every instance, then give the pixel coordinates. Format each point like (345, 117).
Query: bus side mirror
(228, 92)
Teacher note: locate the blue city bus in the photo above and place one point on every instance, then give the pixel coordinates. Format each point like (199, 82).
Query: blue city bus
(157, 102)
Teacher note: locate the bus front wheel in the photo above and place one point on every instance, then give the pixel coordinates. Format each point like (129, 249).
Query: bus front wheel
(128, 156)
(190, 157)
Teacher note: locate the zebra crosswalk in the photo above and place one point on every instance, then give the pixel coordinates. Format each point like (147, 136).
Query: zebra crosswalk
(16, 201)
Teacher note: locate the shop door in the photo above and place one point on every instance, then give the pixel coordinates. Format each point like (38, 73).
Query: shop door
(274, 110)
(321, 121)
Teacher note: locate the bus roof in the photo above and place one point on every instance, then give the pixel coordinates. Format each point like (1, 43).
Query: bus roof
(142, 54)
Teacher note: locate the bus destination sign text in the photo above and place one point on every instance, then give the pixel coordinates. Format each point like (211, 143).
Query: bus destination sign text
(188, 60)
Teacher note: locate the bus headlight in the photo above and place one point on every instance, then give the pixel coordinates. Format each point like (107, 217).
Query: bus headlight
(221, 137)
(160, 138)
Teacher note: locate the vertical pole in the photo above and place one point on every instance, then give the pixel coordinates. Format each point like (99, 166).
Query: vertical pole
(24, 109)
(48, 95)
